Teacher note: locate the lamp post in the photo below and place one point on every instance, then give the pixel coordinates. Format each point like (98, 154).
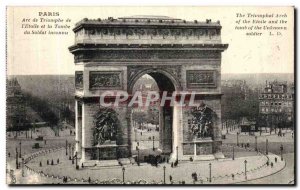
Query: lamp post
(66, 147)
(17, 156)
(76, 165)
(245, 169)
(70, 154)
(267, 147)
(237, 138)
(123, 170)
(73, 149)
(23, 172)
(281, 149)
(233, 153)
(256, 144)
(153, 142)
(138, 156)
(177, 153)
(209, 172)
(164, 174)
(20, 149)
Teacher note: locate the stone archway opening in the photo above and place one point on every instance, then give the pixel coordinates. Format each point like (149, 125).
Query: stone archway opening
(152, 125)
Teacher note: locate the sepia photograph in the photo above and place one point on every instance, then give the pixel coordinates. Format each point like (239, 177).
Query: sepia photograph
(182, 95)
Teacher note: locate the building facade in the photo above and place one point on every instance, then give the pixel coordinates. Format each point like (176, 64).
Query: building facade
(276, 103)
(112, 54)
(16, 107)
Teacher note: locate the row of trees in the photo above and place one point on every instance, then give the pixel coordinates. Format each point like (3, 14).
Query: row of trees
(42, 107)
(142, 118)
(238, 102)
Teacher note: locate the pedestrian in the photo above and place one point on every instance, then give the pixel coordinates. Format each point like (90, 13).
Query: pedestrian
(40, 163)
(47, 162)
(171, 178)
(89, 180)
(275, 159)
(52, 162)
(57, 160)
(271, 164)
(82, 166)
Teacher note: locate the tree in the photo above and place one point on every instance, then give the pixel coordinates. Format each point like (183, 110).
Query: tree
(140, 118)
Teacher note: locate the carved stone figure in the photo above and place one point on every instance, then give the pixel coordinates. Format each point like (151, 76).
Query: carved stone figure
(203, 121)
(106, 125)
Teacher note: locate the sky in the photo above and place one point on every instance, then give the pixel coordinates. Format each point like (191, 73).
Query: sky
(46, 54)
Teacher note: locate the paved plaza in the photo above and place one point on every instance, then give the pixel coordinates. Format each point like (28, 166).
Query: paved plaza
(233, 171)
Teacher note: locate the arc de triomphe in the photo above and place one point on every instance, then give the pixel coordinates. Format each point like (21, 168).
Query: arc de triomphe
(180, 55)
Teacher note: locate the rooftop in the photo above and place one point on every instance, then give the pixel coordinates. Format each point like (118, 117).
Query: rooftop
(145, 20)
(152, 17)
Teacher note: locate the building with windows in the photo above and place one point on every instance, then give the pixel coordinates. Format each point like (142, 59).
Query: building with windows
(15, 111)
(276, 103)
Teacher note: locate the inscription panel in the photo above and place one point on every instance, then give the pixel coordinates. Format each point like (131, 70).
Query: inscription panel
(78, 79)
(105, 79)
(201, 78)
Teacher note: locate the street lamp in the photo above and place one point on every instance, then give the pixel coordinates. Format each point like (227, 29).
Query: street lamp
(164, 174)
(281, 149)
(23, 172)
(153, 142)
(177, 154)
(237, 138)
(245, 169)
(66, 147)
(17, 156)
(73, 150)
(267, 147)
(209, 172)
(233, 153)
(256, 144)
(76, 165)
(138, 156)
(70, 154)
(123, 170)
(20, 149)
